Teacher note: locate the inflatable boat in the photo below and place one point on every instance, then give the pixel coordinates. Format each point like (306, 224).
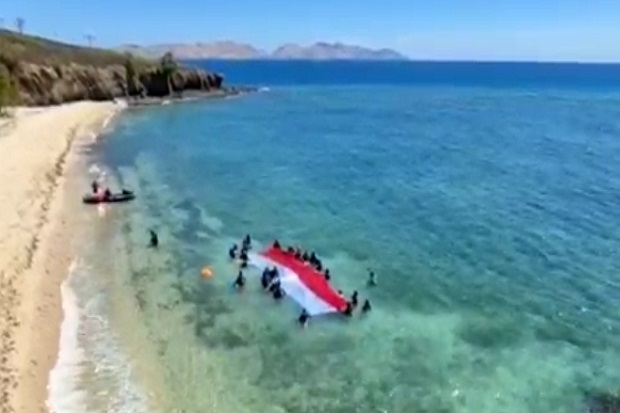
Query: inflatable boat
(124, 196)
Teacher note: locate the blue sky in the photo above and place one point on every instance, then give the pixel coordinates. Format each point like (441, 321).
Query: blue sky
(575, 30)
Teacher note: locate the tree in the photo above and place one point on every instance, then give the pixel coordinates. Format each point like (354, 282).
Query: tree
(19, 23)
(130, 75)
(8, 91)
(168, 66)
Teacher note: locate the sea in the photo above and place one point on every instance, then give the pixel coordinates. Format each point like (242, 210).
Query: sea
(485, 197)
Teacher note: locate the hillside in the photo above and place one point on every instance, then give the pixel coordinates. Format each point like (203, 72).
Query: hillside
(49, 72)
(215, 50)
(241, 51)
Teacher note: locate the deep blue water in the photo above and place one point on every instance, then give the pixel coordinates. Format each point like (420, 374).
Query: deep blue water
(484, 195)
(505, 75)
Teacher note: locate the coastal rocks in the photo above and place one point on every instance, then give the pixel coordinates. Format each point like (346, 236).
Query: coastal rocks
(42, 85)
(156, 83)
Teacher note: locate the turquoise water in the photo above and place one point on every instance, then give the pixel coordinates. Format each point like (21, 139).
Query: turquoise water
(489, 215)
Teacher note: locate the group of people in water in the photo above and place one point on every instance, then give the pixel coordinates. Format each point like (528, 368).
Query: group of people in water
(270, 277)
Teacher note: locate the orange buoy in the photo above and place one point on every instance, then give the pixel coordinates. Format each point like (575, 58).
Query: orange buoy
(206, 272)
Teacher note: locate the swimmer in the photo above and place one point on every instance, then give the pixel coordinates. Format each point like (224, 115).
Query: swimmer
(239, 281)
(372, 279)
(354, 299)
(232, 252)
(154, 242)
(366, 307)
(303, 318)
(327, 274)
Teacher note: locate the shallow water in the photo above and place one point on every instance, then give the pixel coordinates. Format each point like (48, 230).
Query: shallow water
(488, 215)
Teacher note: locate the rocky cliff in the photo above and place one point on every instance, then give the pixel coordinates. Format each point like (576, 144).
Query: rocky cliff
(47, 72)
(48, 85)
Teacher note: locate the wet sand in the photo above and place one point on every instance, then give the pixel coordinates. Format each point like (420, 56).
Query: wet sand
(41, 155)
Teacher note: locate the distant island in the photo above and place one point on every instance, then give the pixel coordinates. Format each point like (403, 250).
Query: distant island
(241, 51)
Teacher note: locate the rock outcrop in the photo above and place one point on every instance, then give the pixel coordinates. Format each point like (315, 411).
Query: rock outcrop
(41, 85)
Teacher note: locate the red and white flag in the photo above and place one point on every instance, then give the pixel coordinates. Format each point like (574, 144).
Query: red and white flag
(300, 281)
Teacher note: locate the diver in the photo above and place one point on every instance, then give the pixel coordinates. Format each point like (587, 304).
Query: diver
(232, 252)
(366, 307)
(247, 242)
(327, 275)
(154, 242)
(239, 281)
(372, 279)
(276, 245)
(95, 186)
(348, 311)
(303, 318)
(354, 298)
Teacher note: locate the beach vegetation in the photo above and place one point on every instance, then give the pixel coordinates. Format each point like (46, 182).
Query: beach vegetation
(8, 90)
(168, 67)
(37, 50)
(130, 75)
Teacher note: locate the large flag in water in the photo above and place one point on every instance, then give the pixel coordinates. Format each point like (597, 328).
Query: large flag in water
(304, 284)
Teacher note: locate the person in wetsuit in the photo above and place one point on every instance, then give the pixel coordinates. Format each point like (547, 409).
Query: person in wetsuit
(297, 254)
(107, 194)
(265, 278)
(154, 242)
(348, 311)
(239, 281)
(276, 245)
(327, 274)
(244, 258)
(305, 257)
(354, 299)
(278, 292)
(247, 242)
(95, 186)
(366, 307)
(372, 279)
(303, 318)
(290, 250)
(319, 265)
(232, 252)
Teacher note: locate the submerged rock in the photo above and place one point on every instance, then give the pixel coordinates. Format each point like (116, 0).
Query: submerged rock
(603, 403)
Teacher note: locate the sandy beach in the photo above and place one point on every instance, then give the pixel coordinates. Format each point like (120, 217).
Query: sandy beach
(39, 156)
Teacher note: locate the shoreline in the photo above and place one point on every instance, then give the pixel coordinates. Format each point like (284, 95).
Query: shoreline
(38, 228)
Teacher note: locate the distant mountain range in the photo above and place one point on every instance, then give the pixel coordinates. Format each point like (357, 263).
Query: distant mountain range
(241, 51)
